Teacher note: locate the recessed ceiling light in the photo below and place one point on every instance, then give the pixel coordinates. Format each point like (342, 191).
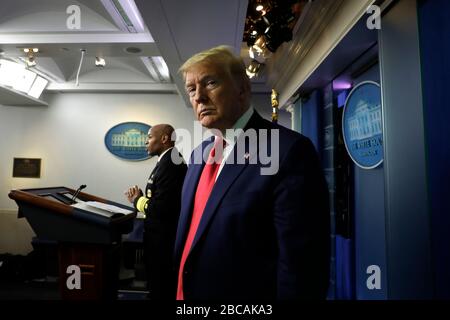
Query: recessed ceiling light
(26, 50)
(35, 50)
(133, 50)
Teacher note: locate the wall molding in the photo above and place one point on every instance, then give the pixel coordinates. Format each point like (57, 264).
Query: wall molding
(9, 211)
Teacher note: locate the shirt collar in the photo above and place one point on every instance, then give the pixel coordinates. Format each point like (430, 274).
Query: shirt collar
(239, 125)
(162, 154)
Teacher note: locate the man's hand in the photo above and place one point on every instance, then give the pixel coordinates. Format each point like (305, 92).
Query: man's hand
(132, 193)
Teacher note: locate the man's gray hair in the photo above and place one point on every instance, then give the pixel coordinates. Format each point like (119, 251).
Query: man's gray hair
(222, 55)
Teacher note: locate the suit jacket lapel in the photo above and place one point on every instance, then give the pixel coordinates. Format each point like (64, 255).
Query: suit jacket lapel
(153, 173)
(226, 178)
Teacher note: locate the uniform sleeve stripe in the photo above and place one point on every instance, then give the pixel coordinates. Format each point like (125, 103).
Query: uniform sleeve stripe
(141, 204)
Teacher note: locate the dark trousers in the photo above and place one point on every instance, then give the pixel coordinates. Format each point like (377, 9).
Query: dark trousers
(158, 255)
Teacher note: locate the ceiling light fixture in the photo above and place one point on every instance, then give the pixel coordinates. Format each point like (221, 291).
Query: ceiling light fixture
(253, 68)
(273, 20)
(30, 62)
(157, 68)
(133, 50)
(251, 53)
(100, 62)
(259, 45)
(31, 59)
(125, 14)
(259, 6)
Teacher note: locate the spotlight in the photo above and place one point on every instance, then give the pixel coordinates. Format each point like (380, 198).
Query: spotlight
(269, 23)
(253, 69)
(257, 56)
(249, 74)
(259, 5)
(272, 17)
(255, 30)
(260, 26)
(100, 62)
(35, 50)
(251, 53)
(259, 45)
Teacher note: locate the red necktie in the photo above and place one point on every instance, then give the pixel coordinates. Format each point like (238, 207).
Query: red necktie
(204, 188)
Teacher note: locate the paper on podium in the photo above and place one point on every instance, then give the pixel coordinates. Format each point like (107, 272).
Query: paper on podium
(108, 207)
(103, 209)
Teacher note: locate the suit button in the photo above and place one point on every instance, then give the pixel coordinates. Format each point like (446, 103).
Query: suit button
(185, 272)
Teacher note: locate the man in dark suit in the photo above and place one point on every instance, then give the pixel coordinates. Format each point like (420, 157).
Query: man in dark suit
(161, 206)
(249, 228)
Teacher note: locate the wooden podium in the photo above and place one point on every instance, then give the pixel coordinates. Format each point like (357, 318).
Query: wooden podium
(88, 237)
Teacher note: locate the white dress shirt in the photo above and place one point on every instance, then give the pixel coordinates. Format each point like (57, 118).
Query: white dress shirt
(231, 139)
(162, 154)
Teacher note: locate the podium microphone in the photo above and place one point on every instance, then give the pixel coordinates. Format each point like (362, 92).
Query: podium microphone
(75, 195)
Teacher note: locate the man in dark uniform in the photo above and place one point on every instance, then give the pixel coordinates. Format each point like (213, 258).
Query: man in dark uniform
(161, 206)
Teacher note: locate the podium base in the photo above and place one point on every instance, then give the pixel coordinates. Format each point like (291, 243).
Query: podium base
(89, 271)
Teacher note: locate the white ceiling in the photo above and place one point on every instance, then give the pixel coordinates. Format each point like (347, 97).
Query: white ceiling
(173, 29)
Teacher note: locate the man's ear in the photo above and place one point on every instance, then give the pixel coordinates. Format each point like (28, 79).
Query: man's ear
(165, 138)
